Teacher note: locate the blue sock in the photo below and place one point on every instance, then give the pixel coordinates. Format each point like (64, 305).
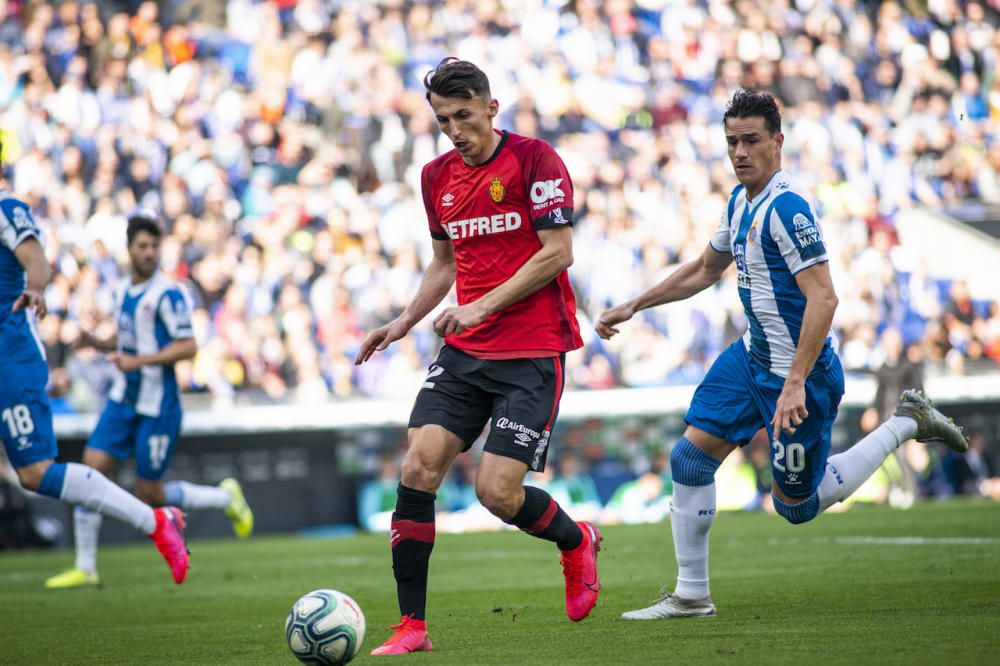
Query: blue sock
(53, 481)
(174, 491)
(690, 465)
(799, 513)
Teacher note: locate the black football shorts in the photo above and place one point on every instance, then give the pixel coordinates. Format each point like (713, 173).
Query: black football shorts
(518, 397)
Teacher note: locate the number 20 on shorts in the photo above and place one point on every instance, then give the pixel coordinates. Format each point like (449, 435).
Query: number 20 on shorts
(791, 455)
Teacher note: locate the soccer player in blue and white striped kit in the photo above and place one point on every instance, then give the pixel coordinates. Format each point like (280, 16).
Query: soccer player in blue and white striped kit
(25, 413)
(783, 375)
(143, 413)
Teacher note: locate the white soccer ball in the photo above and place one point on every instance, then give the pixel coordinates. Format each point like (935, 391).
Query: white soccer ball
(325, 627)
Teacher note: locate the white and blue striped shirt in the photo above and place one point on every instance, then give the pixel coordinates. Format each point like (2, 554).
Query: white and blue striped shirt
(19, 340)
(772, 238)
(150, 316)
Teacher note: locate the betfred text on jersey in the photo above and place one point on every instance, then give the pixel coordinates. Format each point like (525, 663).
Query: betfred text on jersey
(481, 226)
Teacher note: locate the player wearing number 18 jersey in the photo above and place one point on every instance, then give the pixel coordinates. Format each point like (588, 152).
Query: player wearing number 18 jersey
(25, 415)
(500, 211)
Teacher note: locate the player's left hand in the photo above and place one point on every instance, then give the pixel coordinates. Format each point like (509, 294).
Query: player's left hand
(125, 362)
(455, 320)
(31, 300)
(790, 411)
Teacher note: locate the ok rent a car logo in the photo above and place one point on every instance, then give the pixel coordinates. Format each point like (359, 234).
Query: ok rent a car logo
(545, 192)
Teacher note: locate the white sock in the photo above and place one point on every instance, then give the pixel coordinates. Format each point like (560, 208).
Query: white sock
(692, 510)
(845, 472)
(89, 488)
(192, 496)
(86, 531)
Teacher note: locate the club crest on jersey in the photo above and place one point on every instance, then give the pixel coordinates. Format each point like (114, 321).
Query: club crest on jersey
(752, 234)
(497, 190)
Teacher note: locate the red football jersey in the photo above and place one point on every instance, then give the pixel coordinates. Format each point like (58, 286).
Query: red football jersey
(492, 212)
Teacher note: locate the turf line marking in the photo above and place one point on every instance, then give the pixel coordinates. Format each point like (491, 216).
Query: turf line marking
(910, 541)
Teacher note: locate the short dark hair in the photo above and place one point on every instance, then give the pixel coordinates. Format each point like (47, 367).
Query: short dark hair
(751, 104)
(457, 78)
(142, 223)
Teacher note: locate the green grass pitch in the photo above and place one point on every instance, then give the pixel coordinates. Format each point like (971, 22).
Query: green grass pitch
(869, 586)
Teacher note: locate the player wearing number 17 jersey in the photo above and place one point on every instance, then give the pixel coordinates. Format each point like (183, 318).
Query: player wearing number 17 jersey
(500, 210)
(783, 375)
(25, 415)
(143, 414)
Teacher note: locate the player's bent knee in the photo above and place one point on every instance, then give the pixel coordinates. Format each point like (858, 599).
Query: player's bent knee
(799, 513)
(415, 474)
(690, 465)
(500, 504)
(30, 476)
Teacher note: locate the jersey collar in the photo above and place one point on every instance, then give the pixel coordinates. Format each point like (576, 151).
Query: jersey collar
(765, 191)
(134, 289)
(503, 140)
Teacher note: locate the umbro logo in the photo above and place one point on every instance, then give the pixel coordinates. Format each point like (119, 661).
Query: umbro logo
(448, 200)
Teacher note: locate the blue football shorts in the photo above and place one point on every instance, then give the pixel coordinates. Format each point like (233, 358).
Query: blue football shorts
(738, 397)
(25, 414)
(121, 431)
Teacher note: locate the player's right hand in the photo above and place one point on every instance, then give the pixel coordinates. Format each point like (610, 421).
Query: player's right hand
(31, 300)
(605, 325)
(379, 339)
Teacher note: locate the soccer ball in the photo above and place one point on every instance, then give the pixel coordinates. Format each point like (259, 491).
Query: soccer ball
(325, 627)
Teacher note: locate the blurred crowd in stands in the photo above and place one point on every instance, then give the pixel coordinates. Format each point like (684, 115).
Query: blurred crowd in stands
(281, 144)
(630, 480)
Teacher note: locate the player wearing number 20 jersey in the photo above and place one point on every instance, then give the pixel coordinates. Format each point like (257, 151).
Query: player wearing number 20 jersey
(784, 376)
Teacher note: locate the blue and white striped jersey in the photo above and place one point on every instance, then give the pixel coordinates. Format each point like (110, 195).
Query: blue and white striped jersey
(150, 316)
(19, 341)
(771, 239)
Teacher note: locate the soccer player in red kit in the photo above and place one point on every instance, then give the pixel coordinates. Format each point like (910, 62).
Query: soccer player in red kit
(500, 210)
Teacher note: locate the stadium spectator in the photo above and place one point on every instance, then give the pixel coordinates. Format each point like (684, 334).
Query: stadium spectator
(291, 135)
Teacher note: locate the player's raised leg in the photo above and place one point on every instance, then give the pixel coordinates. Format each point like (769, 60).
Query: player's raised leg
(432, 450)
(31, 447)
(84, 486)
(915, 418)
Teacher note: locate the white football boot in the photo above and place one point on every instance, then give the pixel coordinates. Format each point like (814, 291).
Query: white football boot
(670, 605)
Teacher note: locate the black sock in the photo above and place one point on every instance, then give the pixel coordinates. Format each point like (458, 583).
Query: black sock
(542, 517)
(412, 539)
